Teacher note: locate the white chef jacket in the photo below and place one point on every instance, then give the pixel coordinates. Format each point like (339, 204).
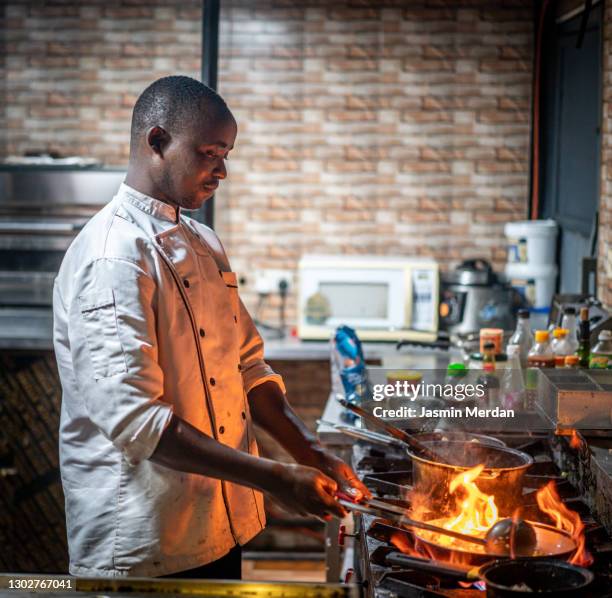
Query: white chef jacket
(148, 322)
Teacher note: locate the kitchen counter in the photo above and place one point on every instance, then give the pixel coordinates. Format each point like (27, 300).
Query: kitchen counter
(414, 358)
(32, 328)
(298, 350)
(134, 587)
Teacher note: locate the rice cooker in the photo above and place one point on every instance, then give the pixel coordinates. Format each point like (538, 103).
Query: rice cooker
(473, 296)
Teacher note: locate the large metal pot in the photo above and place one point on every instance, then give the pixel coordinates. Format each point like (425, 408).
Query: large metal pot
(502, 476)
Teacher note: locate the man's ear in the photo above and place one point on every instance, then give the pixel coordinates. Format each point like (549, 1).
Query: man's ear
(158, 139)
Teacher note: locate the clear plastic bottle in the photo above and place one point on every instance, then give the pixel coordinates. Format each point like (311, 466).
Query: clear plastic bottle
(522, 337)
(512, 386)
(569, 323)
(554, 336)
(488, 378)
(560, 346)
(541, 355)
(601, 355)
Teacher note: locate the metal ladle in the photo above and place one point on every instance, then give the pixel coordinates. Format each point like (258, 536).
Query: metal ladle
(514, 537)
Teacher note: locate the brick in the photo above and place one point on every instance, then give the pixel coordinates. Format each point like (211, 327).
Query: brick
(422, 167)
(351, 115)
(423, 66)
(345, 166)
(426, 117)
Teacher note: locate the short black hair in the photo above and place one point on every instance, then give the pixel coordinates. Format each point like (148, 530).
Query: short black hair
(175, 102)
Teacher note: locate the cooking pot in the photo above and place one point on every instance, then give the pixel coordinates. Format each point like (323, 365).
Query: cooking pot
(473, 297)
(501, 477)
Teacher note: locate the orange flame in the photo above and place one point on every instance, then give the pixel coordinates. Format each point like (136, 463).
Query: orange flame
(575, 440)
(550, 503)
(477, 511)
(474, 513)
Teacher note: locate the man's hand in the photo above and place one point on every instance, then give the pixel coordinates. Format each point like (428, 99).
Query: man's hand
(306, 490)
(272, 412)
(338, 470)
(299, 488)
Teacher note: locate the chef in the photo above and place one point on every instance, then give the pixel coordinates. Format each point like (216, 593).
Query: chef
(162, 369)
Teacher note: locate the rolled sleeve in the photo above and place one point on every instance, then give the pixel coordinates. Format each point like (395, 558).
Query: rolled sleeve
(114, 349)
(139, 439)
(255, 370)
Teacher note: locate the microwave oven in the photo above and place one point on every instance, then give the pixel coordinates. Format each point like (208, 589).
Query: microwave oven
(382, 298)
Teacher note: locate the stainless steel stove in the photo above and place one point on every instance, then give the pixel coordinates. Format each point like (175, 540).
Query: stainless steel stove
(388, 474)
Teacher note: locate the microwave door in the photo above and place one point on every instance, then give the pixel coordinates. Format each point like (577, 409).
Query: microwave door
(368, 299)
(363, 304)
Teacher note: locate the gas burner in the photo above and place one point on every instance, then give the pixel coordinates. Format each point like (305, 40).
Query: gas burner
(389, 476)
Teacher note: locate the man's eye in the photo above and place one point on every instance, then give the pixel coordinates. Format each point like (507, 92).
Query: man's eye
(211, 154)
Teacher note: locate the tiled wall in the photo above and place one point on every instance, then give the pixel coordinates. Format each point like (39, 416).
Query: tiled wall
(73, 70)
(387, 128)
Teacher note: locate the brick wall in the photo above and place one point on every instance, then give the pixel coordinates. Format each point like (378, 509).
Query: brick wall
(73, 70)
(605, 206)
(400, 129)
(383, 127)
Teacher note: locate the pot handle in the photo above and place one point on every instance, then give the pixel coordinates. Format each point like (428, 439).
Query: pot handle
(447, 569)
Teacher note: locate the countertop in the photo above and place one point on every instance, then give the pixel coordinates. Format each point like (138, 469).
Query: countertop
(25, 328)
(419, 359)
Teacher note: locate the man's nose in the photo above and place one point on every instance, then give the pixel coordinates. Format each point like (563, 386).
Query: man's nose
(221, 170)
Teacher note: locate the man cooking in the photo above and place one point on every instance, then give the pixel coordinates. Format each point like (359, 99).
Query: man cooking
(162, 369)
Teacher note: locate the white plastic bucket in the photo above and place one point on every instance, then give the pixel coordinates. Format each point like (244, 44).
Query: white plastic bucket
(535, 282)
(531, 241)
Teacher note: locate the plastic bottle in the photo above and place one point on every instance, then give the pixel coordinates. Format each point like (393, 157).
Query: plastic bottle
(561, 346)
(488, 379)
(554, 336)
(584, 338)
(569, 323)
(601, 355)
(512, 387)
(541, 355)
(348, 365)
(522, 337)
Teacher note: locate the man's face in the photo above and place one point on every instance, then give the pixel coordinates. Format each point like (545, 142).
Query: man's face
(194, 161)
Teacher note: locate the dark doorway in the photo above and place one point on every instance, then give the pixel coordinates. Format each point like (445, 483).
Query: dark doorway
(570, 121)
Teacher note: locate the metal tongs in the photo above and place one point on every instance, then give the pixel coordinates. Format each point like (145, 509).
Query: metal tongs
(411, 442)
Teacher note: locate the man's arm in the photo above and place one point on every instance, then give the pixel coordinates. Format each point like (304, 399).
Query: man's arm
(269, 408)
(272, 412)
(183, 447)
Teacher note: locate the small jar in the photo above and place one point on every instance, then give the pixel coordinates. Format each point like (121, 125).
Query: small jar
(491, 335)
